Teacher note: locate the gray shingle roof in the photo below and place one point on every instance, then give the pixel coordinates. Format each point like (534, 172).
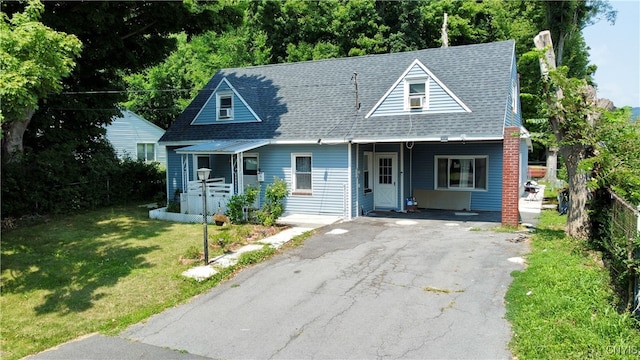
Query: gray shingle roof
(316, 99)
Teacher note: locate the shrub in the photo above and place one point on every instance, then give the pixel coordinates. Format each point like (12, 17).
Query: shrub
(273, 207)
(239, 202)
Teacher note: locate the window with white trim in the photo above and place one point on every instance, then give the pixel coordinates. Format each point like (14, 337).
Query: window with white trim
(225, 106)
(146, 152)
(416, 93)
(367, 164)
(461, 172)
(301, 174)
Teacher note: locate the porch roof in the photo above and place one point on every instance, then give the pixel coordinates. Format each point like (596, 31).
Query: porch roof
(223, 147)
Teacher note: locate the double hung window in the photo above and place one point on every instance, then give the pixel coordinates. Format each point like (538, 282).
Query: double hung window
(146, 152)
(301, 177)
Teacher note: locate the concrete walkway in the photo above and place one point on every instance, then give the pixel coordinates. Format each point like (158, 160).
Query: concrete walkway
(299, 225)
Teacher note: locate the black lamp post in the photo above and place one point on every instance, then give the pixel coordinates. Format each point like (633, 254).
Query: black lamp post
(203, 175)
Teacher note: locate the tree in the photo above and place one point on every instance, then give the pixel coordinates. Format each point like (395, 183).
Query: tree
(572, 112)
(34, 58)
(119, 38)
(565, 20)
(64, 141)
(615, 163)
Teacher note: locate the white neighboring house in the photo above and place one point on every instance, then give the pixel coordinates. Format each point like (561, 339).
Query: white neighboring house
(137, 138)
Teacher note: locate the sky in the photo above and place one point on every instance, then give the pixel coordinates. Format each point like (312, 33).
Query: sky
(615, 49)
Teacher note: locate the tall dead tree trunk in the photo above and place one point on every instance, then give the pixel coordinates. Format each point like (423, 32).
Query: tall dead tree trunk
(572, 146)
(445, 34)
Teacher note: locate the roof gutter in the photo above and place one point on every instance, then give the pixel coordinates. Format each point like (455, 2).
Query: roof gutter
(442, 138)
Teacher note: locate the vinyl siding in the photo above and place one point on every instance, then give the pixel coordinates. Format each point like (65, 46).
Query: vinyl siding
(513, 118)
(126, 132)
(174, 173)
(422, 172)
(329, 176)
(439, 100)
(208, 114)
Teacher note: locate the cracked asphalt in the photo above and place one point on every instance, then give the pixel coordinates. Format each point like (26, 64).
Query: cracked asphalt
(364, 289)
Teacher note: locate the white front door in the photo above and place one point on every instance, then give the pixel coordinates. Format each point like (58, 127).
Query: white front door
(250, 173)
(385, 181)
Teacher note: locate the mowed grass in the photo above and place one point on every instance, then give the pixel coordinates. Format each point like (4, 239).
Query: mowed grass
(96, 272)
(561, 305)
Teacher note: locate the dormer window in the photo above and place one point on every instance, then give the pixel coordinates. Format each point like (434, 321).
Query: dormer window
(416, 94)
(225, 106)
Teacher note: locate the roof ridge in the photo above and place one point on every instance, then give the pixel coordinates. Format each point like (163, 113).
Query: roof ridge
(349, 58)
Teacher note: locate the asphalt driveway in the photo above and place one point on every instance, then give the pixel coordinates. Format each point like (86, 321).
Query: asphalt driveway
(370, 288)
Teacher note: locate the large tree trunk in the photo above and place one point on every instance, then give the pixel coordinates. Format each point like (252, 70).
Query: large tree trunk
(578, 224)
(551, 174)
(13, 132)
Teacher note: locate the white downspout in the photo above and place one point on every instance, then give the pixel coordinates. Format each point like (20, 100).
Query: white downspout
(349, 179)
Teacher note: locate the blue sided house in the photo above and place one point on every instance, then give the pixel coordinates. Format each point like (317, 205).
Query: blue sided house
(441, 126)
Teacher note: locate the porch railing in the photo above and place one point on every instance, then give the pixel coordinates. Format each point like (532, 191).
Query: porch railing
(217, 192)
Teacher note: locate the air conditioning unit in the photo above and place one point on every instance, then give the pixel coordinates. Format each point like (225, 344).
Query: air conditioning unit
(415, 102)
(224, 113)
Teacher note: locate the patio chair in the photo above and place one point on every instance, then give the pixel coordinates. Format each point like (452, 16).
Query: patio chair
(532, 189)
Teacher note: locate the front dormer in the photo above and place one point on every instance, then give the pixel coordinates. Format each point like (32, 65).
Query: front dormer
(418, 91)
(225, 105)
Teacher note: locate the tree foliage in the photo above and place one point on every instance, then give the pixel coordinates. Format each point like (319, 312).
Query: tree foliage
(34, 58)
(65, 137)
(616, 164)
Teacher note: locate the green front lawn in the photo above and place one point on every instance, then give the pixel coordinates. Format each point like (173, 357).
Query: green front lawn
(561, 305)
(96, 272)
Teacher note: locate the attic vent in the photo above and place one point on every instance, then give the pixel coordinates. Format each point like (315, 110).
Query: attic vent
(415, 102)
(224, 113)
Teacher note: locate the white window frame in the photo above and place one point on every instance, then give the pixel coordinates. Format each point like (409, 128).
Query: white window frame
(449, 159)
(219, 97)
(294, 179)
(367, 168)
(407, 93)
(145, 145)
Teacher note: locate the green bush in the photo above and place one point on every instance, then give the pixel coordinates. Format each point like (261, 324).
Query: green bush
(273, 206)
(238, 202)
(58, 180)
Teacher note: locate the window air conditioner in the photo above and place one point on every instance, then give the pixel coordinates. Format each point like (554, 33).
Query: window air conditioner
(415, 102)
(224, 113)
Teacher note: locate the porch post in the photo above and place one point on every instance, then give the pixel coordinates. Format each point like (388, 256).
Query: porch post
(402, 202)
(233, 174)
(240, 173)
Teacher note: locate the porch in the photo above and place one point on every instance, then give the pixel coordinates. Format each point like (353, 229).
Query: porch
(231, 167)
(216, 192)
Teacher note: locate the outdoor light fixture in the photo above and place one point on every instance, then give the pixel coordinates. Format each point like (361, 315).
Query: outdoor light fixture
(203, 175)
